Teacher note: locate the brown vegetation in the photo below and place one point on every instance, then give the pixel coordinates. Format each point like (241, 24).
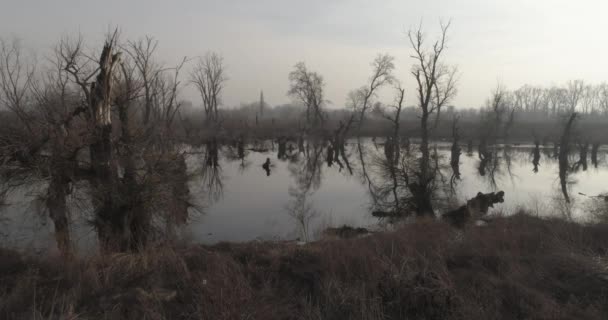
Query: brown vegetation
(519, 267)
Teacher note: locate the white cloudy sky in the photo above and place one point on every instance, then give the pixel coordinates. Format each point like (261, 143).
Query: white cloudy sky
(512, 41)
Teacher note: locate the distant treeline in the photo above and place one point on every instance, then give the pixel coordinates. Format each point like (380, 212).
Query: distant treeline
(535, 117)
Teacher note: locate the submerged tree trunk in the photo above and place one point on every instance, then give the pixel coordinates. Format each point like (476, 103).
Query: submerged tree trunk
(583, 150)
(56, 203)
(564, 150)
(60, 167)
(536, 155)
(594, 149)
(455, 154)
(422, 189)
(111, 223)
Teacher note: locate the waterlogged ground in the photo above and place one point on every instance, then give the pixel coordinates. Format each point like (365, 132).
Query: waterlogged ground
(302, 193)
(255, 205)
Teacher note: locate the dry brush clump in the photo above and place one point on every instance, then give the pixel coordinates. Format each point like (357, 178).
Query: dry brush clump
(517, 267)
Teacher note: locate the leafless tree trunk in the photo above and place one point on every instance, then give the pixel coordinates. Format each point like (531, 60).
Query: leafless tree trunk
(564, 151)
(435, 87)
(16, 77)
(49, 134)
(18, 93)
(396, 153)
(594, 150)
(574, 93)
(110, 219)
(142, 54)
(382, 74)
(456, 151)
(209, 78)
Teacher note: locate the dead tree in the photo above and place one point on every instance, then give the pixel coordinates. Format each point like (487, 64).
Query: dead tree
(573, 94)
(209, 78)
(16, 78)
(536, 155)
(142, 55)
(109, 218)
(394, 117)
(382, 74)
(455, 153)
(594, 150)
(564, 151)
(603, 98)
(82, 103)
(395, 156)
(583, 149)
(41, 145)
(499, 106)
(436, 86)
(307, 87)
(112, 206)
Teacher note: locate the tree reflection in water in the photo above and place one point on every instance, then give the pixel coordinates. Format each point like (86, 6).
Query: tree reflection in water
(307, 174)
(536, 156)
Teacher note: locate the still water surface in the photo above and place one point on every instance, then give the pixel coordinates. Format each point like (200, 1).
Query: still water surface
(240, 200)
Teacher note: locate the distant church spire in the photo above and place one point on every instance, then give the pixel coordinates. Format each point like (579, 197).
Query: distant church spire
(261, 103)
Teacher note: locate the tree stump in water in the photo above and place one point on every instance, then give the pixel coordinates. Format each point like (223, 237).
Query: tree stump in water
(474, 209)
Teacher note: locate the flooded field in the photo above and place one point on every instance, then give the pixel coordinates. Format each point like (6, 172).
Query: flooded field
(265, 191)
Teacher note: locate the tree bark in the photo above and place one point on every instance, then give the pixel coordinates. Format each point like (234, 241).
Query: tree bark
(57, 206)
(110, 219)
(564, 150)
(422, 190)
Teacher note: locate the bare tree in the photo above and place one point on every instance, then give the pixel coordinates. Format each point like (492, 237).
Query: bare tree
(574, 92)
(590, 99)
(501, 110)
(307, 87)
(393, 155)
(564, 151)
(394, 116)
(435, 87)
(40, 108)
(109, 218)
(556, 99)
(209, 78)
(603, 98)
(112, 220)
(16, 78)
(382, 74)
(142, 54)
(78, 103)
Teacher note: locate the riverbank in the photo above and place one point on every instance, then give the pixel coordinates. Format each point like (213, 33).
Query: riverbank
(517, 267)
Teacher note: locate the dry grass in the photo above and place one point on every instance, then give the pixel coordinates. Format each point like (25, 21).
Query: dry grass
(519, 267)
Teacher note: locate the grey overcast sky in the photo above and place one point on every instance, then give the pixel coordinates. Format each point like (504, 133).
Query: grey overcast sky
(515, 42)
